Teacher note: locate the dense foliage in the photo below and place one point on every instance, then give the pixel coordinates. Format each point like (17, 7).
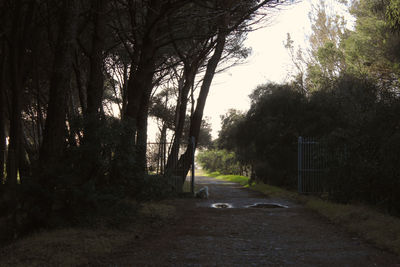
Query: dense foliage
(221, 161)
(351, 117)
(78, 82)
(346, 95)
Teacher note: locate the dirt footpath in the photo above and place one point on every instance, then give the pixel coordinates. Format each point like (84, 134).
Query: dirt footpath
(241, 236)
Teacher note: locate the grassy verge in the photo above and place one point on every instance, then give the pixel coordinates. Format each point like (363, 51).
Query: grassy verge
(78, 246)
(242, 180)
(269, 190)
(375, 227)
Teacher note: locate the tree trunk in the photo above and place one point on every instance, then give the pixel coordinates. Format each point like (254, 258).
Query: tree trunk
(21, 22)
(72, 116)
(95, 90)
(195, 122)
(95, 86)
(54, 133)
(2, 112)
(38, 106)
(138, 84)
(124, 91)
(16, 49)
(135, 117)
(139, 88)
(190, 74)
(140, 79)
(78, 77)
(141, 138)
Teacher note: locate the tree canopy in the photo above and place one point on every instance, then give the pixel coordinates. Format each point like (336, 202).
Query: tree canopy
(78, 82)
(345, 96)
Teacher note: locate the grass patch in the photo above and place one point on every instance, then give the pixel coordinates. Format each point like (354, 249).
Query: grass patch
(211, 174)
(366, 222)
(81, 246)
(158, 211)
(242, 180)
(274, 191)
(65, 247)
(373, 226)
(268, 190)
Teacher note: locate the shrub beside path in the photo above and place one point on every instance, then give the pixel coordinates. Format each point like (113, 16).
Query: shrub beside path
(240, 236)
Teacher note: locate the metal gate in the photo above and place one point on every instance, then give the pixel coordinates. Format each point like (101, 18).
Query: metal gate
(156, 160)
(312, 166)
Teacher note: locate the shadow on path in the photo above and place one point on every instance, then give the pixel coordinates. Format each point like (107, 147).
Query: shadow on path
(240, 236)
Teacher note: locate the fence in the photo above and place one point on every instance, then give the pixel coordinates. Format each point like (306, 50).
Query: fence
(312, 166)
(157, 164)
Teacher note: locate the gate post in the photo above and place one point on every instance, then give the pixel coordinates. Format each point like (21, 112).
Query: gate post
(299, 164)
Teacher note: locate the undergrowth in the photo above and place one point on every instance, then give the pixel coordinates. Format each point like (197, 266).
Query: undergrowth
(88, 245)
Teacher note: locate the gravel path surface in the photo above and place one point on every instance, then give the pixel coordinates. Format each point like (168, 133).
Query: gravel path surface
(241, 236)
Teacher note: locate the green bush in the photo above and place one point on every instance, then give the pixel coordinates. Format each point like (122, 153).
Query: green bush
(267, 136)
(357, 122)
(221, 161)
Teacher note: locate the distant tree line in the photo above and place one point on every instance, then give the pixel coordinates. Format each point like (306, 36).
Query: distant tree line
(345, 94)
(78, 81)
(219, 160)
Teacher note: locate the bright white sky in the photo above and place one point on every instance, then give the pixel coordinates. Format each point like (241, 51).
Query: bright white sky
(269, 61)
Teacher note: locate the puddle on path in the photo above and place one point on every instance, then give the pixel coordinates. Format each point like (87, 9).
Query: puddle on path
(221, 205)
(266, 206)
(255, 205)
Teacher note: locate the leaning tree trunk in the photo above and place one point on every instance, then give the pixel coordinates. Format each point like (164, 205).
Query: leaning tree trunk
(184, 162)
(54, 133)
(190, 74)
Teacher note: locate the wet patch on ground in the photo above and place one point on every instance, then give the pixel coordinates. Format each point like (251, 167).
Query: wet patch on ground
(221, 206)
(267, 206)
(253, 206)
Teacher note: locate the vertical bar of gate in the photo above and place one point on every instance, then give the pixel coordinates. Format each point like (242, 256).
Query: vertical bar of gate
(310, 175)
(316, 181)
(312, 163)
(321, 155)
(307, 164)
(193, 150)
(299, 163)
(319, 167)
